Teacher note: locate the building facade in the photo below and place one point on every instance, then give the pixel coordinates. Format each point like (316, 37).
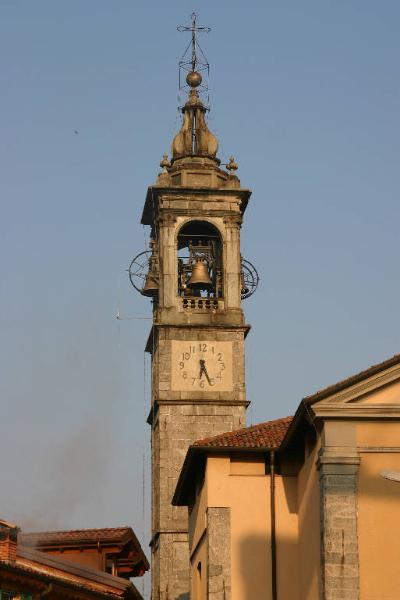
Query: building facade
(302, 508)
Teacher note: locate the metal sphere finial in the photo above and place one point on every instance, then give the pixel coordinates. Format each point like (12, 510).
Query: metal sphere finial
(194, 79)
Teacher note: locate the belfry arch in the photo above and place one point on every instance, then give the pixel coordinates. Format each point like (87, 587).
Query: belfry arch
(199, 248)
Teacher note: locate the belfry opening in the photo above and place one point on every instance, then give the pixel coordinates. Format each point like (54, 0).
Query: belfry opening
(199, 251)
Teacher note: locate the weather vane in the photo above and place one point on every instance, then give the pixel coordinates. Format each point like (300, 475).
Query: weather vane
(194, 59)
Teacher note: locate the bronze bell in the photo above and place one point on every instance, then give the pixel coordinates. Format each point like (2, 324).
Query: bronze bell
(244, 288)
(200, 278)
(150, 287)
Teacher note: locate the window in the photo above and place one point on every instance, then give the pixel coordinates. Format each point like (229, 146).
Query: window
(199, 583)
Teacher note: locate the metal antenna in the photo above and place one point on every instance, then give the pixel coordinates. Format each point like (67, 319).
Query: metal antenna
(194, 59)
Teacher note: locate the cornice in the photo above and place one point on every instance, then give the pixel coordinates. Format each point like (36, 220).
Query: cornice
(154, 192)
(364, 411)
(153, 414)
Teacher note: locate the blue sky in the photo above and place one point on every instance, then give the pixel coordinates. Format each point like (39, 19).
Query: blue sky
(305, 95)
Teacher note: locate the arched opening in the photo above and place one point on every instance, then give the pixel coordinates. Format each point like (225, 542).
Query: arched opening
(199, 260)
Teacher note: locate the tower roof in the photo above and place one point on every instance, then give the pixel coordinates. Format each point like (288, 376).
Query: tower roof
(194, 162)
(194, 138)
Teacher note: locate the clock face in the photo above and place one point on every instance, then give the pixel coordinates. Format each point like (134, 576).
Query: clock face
(201, 366)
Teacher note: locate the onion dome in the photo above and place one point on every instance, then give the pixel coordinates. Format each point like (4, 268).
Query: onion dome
(194, 138)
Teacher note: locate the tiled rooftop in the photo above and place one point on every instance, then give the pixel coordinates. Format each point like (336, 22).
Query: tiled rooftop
(263, 435)
(78, 535)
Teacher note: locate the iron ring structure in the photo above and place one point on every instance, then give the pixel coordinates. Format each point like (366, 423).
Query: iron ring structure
(138, 270)
(250, 279)
(139, 265)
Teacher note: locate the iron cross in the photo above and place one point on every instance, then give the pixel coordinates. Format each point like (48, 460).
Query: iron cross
(194, 29)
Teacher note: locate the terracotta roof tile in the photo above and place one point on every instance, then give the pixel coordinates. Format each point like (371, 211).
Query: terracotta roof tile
(79, 535)
(263, 435)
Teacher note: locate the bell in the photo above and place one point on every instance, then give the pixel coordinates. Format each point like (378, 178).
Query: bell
(200, 278)
(244, 288)
(150, 287)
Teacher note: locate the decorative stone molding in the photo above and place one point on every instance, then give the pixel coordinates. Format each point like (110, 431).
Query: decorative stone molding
(338, 473)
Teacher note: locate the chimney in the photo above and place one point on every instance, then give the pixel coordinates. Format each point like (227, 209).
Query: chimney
(8, 541)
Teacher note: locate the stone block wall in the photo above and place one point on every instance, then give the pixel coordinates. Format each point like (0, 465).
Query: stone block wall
(339, 537)
(219, 553)
(175, 428)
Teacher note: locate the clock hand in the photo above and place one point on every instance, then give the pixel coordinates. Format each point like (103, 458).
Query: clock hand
(208, 379)
(204, 370)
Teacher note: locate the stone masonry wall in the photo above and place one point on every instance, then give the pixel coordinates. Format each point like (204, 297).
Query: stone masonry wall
(219, 554)
(175, 429)
(339, 538)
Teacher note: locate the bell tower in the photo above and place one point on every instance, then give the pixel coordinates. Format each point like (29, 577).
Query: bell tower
(197, 279)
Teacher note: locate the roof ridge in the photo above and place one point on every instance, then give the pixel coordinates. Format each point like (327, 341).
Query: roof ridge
(85, 529)
(82, 529)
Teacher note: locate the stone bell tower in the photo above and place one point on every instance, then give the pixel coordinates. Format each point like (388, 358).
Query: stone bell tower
(195, 278)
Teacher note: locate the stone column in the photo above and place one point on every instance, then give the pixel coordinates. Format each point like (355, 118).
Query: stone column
(232, 266)
(219, 554)
(168, 261)
(338, 473)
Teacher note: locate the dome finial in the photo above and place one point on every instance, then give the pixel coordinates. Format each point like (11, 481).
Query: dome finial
(232, 166)
(194, 138)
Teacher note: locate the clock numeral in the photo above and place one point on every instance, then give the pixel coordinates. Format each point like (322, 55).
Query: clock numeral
(203, 347)
(185, 355)
(222, 365)
(184, 375)
(193, 380)
(201, 383)
(212, 382)
(219, 376)
(181, 365)
(219, 356)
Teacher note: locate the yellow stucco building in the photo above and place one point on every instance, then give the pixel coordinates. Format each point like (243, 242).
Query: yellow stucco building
(304, 507)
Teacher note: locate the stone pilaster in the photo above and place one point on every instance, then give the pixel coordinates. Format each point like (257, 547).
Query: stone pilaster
(232, 262)
(338, 472)
(219, 554)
